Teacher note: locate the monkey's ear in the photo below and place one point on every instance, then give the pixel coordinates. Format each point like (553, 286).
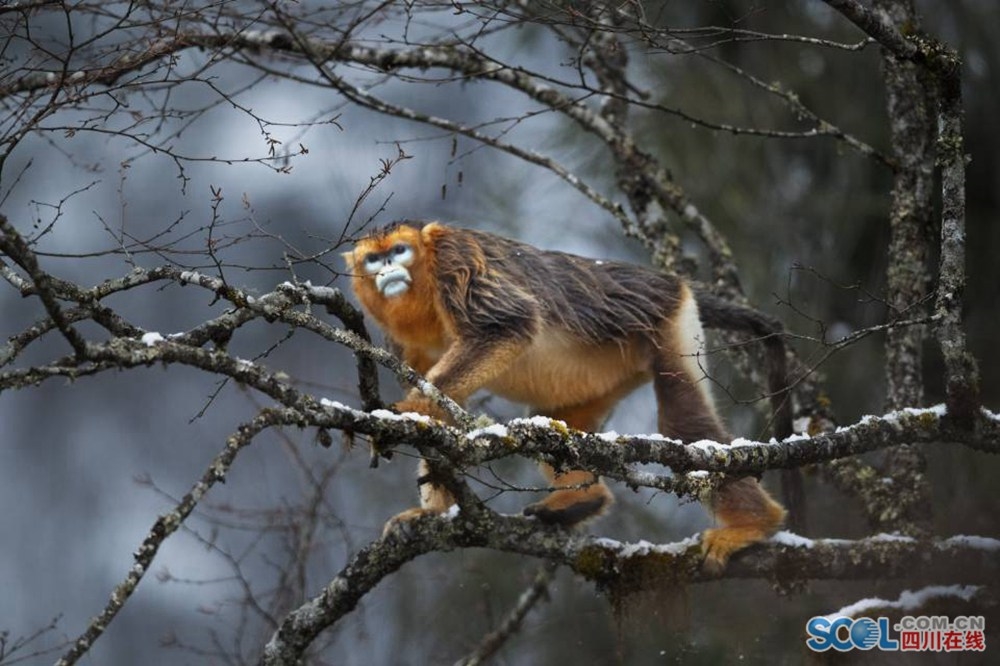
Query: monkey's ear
(431, 231)
(349, 260)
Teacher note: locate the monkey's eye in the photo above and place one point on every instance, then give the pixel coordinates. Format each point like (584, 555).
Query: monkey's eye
(402, 254)
(373, 262)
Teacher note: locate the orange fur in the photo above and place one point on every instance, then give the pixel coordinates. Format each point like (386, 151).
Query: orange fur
(414, 320)
(747, 515)
(567, 336)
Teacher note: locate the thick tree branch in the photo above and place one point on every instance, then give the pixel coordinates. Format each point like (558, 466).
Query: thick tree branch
(962, 372)
(910, 102)
(610, 456)
(621, 569)
(911, 106)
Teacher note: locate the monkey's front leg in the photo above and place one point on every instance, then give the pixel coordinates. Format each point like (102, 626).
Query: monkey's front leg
(467, 366)
(464, 368)
(434, 499)
(415, 401)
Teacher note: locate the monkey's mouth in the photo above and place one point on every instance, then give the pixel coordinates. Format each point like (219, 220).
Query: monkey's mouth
(393, 283)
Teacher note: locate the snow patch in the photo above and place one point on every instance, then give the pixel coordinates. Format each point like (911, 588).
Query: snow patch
(936, 410)
(609, 544)
(892, 537)
(386, 415)
(333, 404)
(893, 417)
(321, 292)
(643, 547)
(859, 608)
(710, 446)
(539, 422)
(786, 538)
(980, 542)
(706, 445)
(150, 339)
(495, 430)
(908, 600)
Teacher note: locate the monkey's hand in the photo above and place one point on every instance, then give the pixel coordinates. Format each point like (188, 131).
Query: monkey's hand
(434, 499)
(421, 404)
(417, 403)
(403, 517)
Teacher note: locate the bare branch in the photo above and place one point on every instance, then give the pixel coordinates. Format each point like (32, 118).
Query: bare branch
(512, 623)
(17, 249)
(876, 25)
(166, 525)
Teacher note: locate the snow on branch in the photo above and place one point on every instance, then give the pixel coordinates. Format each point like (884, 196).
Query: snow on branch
(620, 569)
(613, 453)
(539, 438)
(909, 601)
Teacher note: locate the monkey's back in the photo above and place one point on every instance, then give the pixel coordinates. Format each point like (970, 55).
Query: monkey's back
(589, 324)
(593, 300)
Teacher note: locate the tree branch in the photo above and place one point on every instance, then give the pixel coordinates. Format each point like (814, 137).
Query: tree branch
(17, 249)
(621, 569)
(493, 641)
(165, 526)
(877, 25)
(962, 372)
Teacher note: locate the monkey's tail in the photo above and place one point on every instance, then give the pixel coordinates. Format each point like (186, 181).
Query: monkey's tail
(724, 315)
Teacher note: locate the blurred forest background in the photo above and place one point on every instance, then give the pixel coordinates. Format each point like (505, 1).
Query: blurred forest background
(261, 166)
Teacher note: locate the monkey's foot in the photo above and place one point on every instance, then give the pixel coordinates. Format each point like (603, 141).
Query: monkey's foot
(404, 517)
(569, 507)
(718, 544)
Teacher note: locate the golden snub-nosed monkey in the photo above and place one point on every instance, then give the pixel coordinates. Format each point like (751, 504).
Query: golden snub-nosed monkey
(568, 336)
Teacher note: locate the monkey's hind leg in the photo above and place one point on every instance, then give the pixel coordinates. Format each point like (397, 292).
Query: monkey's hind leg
(744, 511)
(434, 499)
(747, 514)
(583, 495)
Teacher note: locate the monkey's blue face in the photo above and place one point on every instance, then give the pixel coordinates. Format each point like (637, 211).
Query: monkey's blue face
(392, 278)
